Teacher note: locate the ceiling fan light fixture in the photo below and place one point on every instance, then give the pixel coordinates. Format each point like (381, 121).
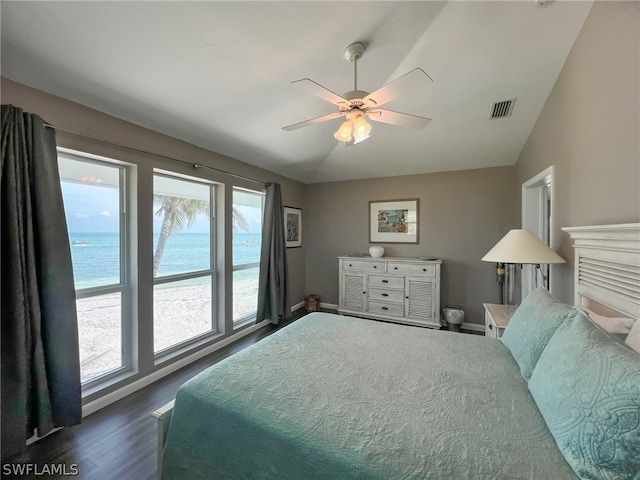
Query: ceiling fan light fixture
(361, 128)
(344, 132)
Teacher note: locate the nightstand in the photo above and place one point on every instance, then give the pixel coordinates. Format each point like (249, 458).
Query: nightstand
(496, 318)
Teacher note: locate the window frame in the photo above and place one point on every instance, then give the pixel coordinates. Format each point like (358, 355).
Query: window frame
(250, 317)
(124, 284)
(136, 283)
(191, 342)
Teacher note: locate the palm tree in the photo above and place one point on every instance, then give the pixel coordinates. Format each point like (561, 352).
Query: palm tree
(178, 212)
(238, 221)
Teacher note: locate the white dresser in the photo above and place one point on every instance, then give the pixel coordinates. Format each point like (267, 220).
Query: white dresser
(397, 289)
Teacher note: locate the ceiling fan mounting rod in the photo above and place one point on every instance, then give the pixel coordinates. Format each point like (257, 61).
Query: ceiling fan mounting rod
(353, 53)
(355, 73)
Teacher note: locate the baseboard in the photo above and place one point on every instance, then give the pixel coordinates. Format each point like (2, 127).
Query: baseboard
(119, 394)
(473, 327)
(34, 438)
(329, 306)
(326, 306)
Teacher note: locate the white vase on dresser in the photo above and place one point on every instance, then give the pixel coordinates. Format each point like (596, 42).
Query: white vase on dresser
(396, 289)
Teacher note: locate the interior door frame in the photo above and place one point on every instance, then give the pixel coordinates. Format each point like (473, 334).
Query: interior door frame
(537, 216)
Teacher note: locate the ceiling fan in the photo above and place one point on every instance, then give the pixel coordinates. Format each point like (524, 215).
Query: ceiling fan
(356, 105)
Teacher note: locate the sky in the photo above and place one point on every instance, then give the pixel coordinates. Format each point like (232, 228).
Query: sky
(92, 209)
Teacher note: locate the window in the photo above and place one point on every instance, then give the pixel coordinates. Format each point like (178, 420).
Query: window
(183, 261)
(173, 294)
(248, 209)
(94, 200)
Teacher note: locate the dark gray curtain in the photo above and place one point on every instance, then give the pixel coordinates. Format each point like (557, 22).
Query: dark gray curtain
(273, 288)
(40, 368)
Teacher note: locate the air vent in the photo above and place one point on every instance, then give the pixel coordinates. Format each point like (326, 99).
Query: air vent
(502, 109)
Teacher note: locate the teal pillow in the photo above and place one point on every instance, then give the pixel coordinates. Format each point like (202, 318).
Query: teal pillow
(587, 388)
(532, 326)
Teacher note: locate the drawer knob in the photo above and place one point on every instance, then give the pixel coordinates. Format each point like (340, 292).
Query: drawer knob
(375, 266)
(395, 268)
(407, 298)
(385, 294)
(424, 269)
(350, 265)
(385, 308)
(385, 281)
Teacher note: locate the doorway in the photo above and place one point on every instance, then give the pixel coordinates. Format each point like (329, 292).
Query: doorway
(537, 197)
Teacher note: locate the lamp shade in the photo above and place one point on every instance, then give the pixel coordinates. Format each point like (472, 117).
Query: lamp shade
(522, 246)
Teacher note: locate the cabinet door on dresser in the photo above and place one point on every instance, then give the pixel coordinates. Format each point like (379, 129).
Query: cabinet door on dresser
(419, 298)
(353, 291)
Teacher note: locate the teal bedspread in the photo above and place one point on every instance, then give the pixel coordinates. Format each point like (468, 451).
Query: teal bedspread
(333, 397)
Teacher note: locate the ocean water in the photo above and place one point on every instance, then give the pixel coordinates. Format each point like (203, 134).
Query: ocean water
(96, 260)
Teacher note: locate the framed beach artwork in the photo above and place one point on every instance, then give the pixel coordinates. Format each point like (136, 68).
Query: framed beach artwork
(293, 226)
(393, 221)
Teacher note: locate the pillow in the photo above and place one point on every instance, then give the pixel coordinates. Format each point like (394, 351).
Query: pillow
(611, 324)
(531, 326)
(587, 388)
(633, 338)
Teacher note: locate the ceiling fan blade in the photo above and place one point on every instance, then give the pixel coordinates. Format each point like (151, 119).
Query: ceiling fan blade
(397, 118)
(405, 84)
(306, 123)
(320, 91)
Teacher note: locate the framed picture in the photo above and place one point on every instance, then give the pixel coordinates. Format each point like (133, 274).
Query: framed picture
(293, 226)
(393, 221)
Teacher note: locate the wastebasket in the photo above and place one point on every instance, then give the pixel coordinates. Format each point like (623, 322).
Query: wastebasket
(312, 303)
(454, 316)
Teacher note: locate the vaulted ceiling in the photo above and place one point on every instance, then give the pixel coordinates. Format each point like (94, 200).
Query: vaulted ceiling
(218, 74)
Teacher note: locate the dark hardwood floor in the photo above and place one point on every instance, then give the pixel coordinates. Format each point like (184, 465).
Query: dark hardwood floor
(119, 441)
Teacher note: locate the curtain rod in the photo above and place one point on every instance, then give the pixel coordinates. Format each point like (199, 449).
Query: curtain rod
(195, 165)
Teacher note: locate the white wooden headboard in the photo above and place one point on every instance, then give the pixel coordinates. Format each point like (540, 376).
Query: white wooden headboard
(607, 268)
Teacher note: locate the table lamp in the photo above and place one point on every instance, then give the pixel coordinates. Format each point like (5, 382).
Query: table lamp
(520, 246)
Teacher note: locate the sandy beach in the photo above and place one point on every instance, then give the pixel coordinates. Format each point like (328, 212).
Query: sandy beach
(180, 313)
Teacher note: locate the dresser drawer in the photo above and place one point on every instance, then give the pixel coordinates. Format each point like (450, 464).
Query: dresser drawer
(386, 308)
(386, 281)
(356, 266)
(490, 331)
(412, 269)
(396, 296)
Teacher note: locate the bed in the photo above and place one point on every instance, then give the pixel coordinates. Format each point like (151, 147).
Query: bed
(346, 398)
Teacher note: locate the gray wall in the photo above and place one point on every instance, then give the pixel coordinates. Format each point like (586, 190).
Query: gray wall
(589, 130)
(462, 215)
